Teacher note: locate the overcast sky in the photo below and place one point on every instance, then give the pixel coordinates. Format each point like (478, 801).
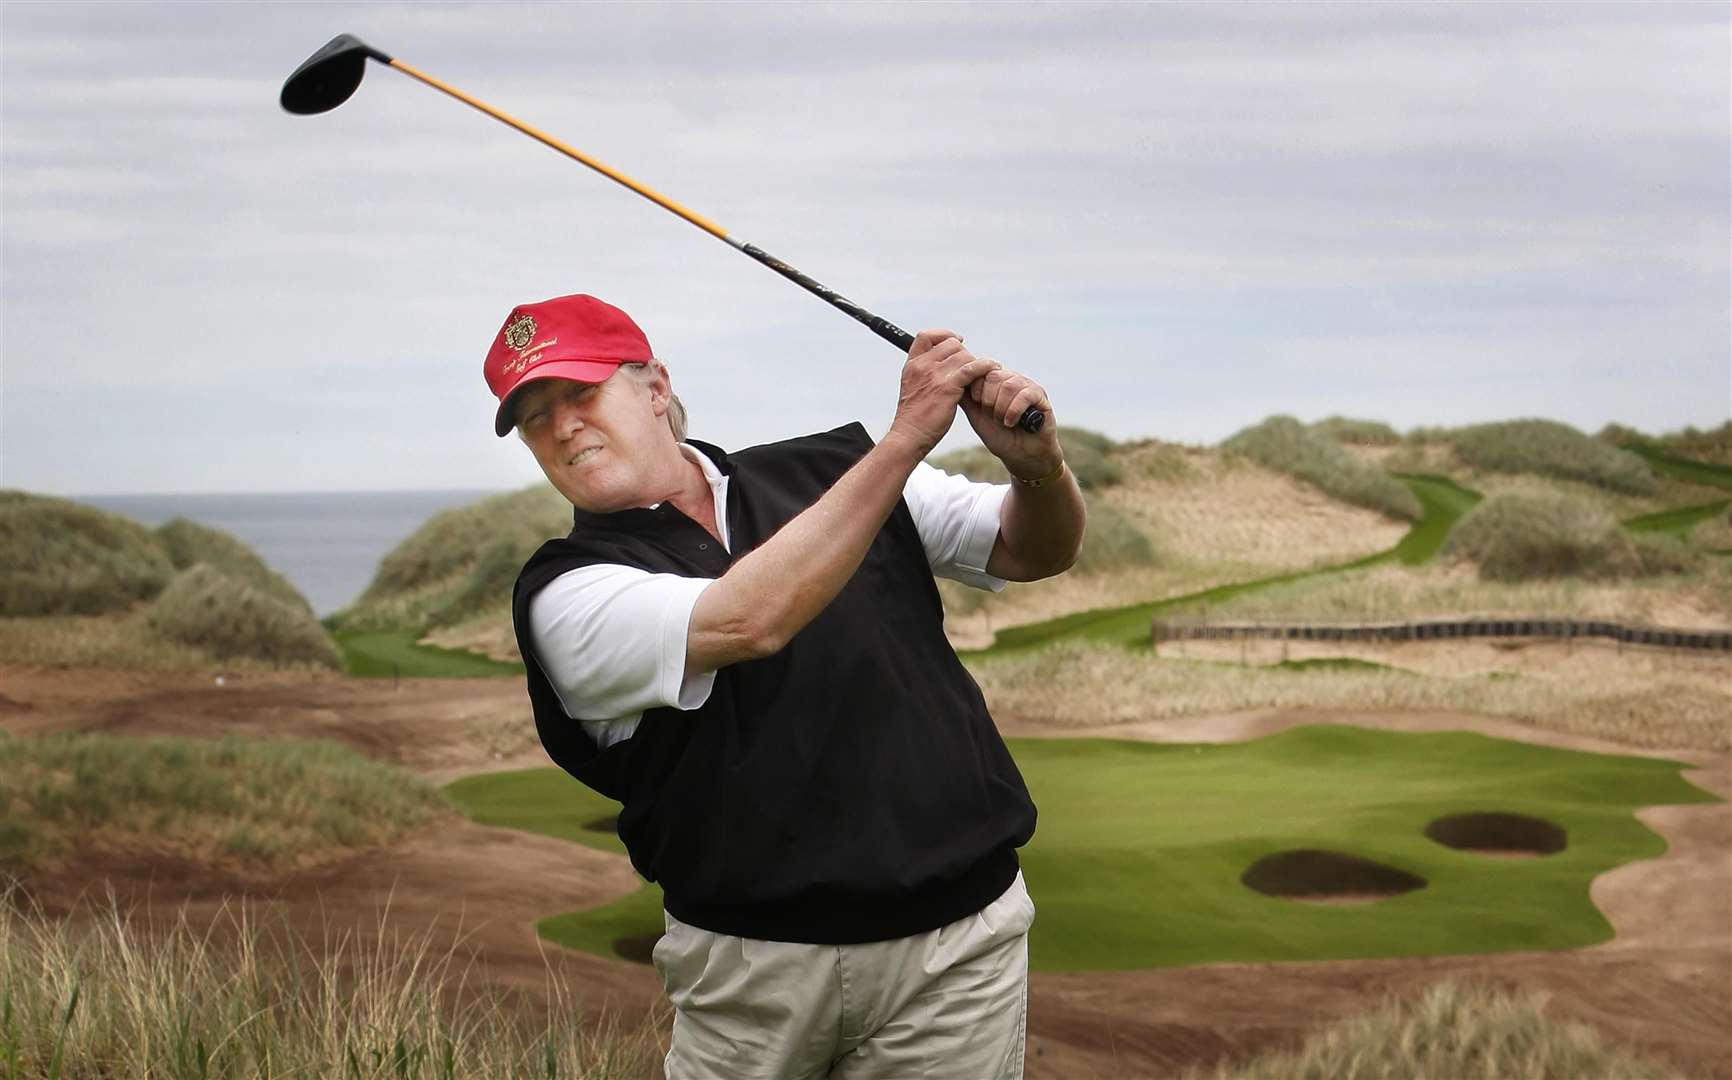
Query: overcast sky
(1181, 219)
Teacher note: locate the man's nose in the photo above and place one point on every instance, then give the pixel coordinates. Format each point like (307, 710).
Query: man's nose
(567, 419)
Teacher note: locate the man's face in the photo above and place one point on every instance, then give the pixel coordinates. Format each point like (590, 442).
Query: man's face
(596, 442)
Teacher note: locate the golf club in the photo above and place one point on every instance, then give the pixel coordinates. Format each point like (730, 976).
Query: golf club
(329, 77)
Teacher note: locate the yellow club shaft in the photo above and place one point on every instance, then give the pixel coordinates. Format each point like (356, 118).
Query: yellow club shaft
(571, 152)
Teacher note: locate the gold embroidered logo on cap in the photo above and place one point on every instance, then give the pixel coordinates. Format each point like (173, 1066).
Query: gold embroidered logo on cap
(519, 332)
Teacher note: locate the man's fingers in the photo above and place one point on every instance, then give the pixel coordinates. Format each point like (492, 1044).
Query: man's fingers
(1031, 394)
(974, 369)
(926, 339)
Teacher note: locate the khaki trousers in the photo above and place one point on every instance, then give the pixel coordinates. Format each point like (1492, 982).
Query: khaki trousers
(949, 1004)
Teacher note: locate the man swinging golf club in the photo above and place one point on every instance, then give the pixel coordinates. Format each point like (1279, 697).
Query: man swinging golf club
(747, 651)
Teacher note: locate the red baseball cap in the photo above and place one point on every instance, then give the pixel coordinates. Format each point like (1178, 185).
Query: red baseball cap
(569, 337)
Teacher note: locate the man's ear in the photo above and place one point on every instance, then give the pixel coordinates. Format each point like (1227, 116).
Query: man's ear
(661, 388)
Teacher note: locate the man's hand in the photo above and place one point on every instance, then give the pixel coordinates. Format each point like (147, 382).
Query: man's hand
(994, 403)
(938, 371)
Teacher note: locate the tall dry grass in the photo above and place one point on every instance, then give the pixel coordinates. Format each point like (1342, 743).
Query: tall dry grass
(251, 807)
(112, 998)
(1451, 1032)
(1529, 537)
(1083, 685)
(1283, 443)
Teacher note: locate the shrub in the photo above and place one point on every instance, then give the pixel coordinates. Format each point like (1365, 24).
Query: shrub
(188, 542)
(206, 608)
(1283, 443)
(64, 558)
(1715, 533)
(1345, 429)
(1451, 1031)
(1526, 537)
(451, 567)
(1548, 448)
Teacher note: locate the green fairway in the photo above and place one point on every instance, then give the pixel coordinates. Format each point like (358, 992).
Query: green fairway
(1444, 502)
(390, 653)
(1690, 470)
(1678, 520)
(1140, 848)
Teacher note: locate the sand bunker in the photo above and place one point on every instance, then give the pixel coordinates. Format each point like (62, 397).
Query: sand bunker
(639, 949)
(1498, 835)
(1327, 877)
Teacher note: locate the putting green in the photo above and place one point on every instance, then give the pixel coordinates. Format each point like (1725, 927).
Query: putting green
(1141, 846)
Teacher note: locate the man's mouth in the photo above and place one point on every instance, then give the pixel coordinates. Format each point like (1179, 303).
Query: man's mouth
(584, 455)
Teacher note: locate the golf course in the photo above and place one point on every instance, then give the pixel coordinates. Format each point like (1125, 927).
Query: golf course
(1245, 848)
(1143, 849)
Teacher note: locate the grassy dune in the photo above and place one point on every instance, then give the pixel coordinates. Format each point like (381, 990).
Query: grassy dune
(189, 543)
(1283, 443)
(460, 563)
(251, 807)
(116, 1000)
(61, 558)
(1451, 1031)
(1546, 448)
(84, 586)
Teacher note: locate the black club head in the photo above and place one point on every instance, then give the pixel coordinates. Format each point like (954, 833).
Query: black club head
(328, 77)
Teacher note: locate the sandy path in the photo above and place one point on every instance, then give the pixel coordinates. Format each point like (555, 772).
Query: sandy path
(1663, 985)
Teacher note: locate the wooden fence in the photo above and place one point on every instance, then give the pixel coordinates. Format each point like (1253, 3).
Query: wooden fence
(1174, 629)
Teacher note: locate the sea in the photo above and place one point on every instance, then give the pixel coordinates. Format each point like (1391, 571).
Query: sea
(327, 544)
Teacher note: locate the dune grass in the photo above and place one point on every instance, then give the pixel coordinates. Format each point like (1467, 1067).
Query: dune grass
(1283, 443)
(1356, 432)
(1450, 1031)
(249, 805)
(1526, 537)
(1138, 858)
(1547, 448)
(58, 557)
(110, 997)
(225, 618)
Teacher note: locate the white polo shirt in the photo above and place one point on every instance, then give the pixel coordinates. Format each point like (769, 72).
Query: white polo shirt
(611, 639)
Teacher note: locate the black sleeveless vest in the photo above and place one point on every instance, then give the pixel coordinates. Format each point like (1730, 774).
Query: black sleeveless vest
(850, 788)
